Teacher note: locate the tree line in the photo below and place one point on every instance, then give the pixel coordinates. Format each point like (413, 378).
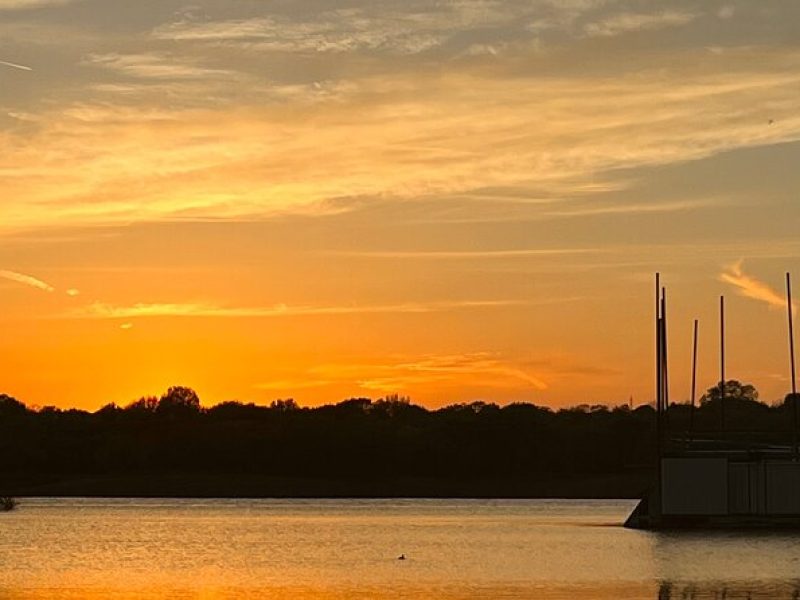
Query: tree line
(372, 444)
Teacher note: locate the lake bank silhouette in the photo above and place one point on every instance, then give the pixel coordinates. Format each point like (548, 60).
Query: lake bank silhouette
(172, 447)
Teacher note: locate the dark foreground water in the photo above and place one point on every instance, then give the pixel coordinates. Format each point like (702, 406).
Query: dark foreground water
(337, 549)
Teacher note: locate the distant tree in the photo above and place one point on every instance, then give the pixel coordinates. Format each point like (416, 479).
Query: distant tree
(109, 411)
(232, 409)
(147, 404)
(790, 400)
(396, 399)
(283, 406)
(354, 406)
(735, 391)
(481, 407)
(394, 405)
(11, 406)
(179, 401)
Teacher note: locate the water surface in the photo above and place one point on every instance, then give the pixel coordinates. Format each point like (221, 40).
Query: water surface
(336, 549)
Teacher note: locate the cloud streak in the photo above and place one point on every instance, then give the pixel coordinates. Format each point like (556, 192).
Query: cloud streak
(432, 368)
(27, 4)
(26, 280)
(471, 254)
(15, 66)
(154, 66)
(630, 22)
(142, 310)
(399, 374)
(404, 30)
(750, 287)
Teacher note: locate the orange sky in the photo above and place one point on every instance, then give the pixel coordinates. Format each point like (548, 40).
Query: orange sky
(454, 201)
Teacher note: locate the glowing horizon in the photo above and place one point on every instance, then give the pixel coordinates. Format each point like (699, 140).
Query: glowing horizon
(452, 201)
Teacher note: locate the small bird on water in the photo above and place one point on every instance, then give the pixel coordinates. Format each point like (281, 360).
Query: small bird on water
(401, 557)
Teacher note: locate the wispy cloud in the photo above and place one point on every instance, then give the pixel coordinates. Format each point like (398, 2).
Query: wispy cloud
(398, 375)
(352, 129)
(26, 280)
(407, 30)
(404, 374)
(406, 143)
(750, 287)
(374, 28)
(109, 311)
(340, 32)
(485, 366)
(154, 66)
(475, 370)
(470, 254)
(632, 208)
(629, 22)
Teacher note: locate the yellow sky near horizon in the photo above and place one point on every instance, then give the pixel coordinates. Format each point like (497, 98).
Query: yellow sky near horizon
(456, 201)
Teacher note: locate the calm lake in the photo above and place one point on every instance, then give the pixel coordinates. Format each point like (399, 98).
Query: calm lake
(336, 549)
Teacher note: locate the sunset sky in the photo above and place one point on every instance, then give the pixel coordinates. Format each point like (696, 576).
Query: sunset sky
(455, 200)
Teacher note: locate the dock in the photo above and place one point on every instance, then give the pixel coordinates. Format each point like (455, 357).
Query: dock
(721, 478)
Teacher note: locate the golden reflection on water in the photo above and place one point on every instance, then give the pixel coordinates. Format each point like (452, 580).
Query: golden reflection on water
(337, 550)
(555, 591)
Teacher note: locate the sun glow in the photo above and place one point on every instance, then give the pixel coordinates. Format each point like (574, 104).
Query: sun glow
(453, 201)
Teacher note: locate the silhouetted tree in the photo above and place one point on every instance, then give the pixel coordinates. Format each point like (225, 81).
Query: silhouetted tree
(145, 405)
(179, 401)
(790, 400)
(283, 406)
(233, 410)
(734, 391)
(354, 406)
(109, 409)
(395, 406)
(11, 407)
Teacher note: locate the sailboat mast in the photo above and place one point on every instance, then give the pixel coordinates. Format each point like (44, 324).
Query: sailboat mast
(694, 378)
(790, 310)
(722, 361)
(659, 376)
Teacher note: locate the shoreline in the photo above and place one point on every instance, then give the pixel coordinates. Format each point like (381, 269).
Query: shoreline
(237, 486)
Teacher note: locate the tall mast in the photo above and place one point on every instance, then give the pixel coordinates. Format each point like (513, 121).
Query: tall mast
(664, 353)
(790, 310)
(694, 378)
(722, 361)
(658, 343)
(659, 375)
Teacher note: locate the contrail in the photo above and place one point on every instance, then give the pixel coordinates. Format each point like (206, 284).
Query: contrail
(15, 66)
(27, 280)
